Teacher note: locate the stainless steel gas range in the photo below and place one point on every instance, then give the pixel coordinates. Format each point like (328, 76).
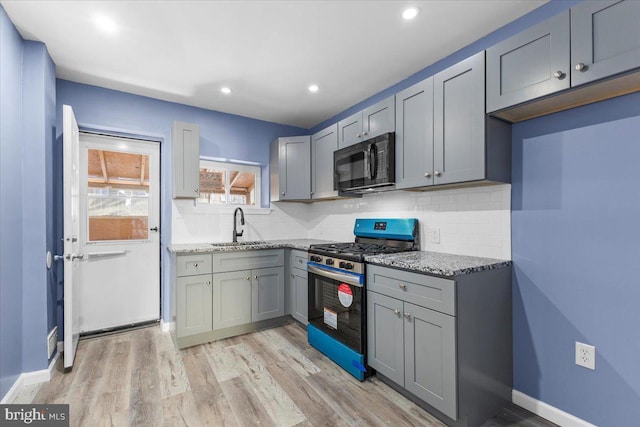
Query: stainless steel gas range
(337, 288)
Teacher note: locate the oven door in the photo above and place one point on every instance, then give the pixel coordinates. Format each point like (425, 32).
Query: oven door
(336, 305)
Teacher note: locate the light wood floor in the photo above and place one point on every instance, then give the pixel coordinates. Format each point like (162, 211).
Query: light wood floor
(268, 378)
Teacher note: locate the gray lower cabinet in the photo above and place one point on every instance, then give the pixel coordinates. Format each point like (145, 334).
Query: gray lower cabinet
(605, 39)
(267, 293)
(185, 142)
(423, 336)
(231, 297)
(368, 123)
(194, 304)
(298, 286)
(289, 161)
(323, 144)
(228, 293)
(530, 64)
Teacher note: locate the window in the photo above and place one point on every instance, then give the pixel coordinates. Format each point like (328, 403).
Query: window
(117, 195)
(226, 184)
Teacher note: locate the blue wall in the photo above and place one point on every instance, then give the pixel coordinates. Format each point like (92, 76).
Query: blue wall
(221, 135)
(575, 234)
(10, 203)
(27, 120)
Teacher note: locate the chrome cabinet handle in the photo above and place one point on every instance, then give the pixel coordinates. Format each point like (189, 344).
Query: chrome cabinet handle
(558, 74)
(248, 277)
(407, 315)
(283, 193)
(195, 190)
(437, 173)
(581, 67)
(357, 135)
(365, 133)
(403, 286)
(255, 277)
(427, 175)
(396, 312)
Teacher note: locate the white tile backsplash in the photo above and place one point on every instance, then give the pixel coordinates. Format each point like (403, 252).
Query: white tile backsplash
(472, 221)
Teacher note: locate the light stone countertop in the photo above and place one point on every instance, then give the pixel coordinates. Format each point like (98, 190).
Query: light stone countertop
(300, 244)
(440, 264)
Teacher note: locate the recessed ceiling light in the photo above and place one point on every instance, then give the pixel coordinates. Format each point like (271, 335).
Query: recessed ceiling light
(313, 88)
(105, 24)
(225, 90)
(410, 13)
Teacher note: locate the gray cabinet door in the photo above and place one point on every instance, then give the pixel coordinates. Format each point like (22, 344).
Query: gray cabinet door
(267, 294)
(414, 135)
(459, 122)
(605, 38)
(185, 141)
(295, 161)
(378, 119)
(430, 357)
(193, 305)
(300, 288)
(323, 144)
(385, 343)
(350, 130)
(530, 64)
(231, 299)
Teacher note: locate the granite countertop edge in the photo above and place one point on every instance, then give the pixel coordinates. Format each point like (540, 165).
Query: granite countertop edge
(300, 244)
(435, 263)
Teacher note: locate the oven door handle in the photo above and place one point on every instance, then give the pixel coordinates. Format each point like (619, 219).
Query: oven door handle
(351, 279)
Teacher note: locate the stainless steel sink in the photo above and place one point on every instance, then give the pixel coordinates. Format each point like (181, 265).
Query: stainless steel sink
(251, 243)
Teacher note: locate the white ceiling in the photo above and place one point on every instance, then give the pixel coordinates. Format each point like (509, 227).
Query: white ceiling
(268, 52)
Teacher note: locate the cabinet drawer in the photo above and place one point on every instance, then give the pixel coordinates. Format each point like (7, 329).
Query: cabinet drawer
(426, 291)
(234, 261)
(190, 265)
(298, 259)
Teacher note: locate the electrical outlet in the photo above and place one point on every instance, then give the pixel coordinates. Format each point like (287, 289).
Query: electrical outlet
(434, 235)
(585, 355)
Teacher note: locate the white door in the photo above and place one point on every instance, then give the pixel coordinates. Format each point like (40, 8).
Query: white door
(119, 232)
(72, 258)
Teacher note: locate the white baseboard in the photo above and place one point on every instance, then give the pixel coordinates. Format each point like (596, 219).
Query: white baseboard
(29, 378)
(547, 411)
(13, 391)
(167, 326)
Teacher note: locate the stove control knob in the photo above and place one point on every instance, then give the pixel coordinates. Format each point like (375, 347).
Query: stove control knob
(348, 266)
(314, 258)
(342, 264)
(329, 261)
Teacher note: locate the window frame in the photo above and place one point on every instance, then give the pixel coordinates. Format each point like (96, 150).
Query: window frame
(227, 166)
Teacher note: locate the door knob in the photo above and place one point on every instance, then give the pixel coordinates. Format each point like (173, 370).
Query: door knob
(156, 229)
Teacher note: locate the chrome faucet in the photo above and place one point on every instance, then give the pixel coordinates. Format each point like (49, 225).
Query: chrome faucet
(235, 222)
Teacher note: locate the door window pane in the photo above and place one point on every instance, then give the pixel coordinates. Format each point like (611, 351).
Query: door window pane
(117, 195)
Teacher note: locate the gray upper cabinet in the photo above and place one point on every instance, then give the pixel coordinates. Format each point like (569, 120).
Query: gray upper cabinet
(290, 158)
(530, 64)
(185, 141)
(459, 122)
(605, 39)
(323, 144)
(414, 135)
(369, 123)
